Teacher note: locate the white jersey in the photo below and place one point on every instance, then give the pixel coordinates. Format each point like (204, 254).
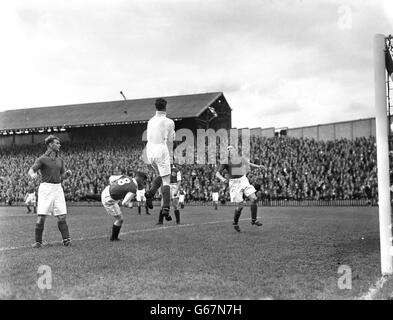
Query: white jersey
(181, 198)
(160, 129)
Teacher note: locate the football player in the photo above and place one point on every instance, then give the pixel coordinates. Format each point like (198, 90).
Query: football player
(141, 199)
(30, 198)
(160, 136)
(121, 189)
(51, 199)
(239, 185)
(215, 190)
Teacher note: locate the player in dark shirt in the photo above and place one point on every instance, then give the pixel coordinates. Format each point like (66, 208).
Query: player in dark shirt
(215, 195)
(51, 200)
(121, 189)
(237, 168)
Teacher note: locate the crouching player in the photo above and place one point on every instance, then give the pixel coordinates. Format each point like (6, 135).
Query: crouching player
(237, 168)
(30, 198)
(121, 188)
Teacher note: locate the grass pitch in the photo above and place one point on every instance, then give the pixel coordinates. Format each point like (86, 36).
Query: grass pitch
(294, 255)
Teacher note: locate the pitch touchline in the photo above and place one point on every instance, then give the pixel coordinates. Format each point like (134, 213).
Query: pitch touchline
(128, 232)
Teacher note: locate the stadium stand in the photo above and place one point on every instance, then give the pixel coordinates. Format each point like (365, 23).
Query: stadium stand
(104, 138)
(298, 169)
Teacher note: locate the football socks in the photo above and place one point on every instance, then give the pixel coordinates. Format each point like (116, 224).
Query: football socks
(254, 209)
(166, 196)
(154, 187)
(177, 215)
(115, 232)
(237, 216)
(62, 225)
(39, 229)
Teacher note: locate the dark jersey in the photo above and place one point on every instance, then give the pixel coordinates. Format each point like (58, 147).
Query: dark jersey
(215, 188)
(30, 189)
(51, 168)
(236, 169)
(120, 187)
(175, 175)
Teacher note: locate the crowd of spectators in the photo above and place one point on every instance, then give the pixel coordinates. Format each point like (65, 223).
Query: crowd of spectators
(297, 169)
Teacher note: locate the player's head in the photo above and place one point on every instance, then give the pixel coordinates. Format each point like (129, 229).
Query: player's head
(160, 104)
(52, 142)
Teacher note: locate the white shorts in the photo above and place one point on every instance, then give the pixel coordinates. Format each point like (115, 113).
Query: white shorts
(111, 206)
(174, 191)
(51, 200)
(215, 196)
(158, 156)
(140, 195)
(30, 200)
(181, 198)
(238, 187)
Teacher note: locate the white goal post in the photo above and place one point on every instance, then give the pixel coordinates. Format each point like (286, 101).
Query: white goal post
(382, 127)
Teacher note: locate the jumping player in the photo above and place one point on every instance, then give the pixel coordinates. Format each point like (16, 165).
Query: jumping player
(239, 185)
(51, 200)
(30, 198)
(160, 134)
(121, 188)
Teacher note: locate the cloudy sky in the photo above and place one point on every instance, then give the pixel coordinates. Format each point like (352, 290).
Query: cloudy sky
(280, 63)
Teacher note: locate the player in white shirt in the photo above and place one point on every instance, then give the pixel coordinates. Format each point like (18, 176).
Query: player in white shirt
(141, 199)
(160, 135)
(181, 197)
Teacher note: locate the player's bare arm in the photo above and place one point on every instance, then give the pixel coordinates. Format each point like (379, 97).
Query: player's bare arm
(257, 166)
(66, 174)
(220, 177)
(254, 165)
(127, 199)
(33, 174)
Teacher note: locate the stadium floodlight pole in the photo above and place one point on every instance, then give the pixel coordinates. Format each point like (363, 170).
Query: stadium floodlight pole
(121, 92)
(381, 124)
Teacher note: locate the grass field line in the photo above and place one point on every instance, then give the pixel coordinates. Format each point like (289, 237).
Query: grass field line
(374, 289)
(127, 232)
